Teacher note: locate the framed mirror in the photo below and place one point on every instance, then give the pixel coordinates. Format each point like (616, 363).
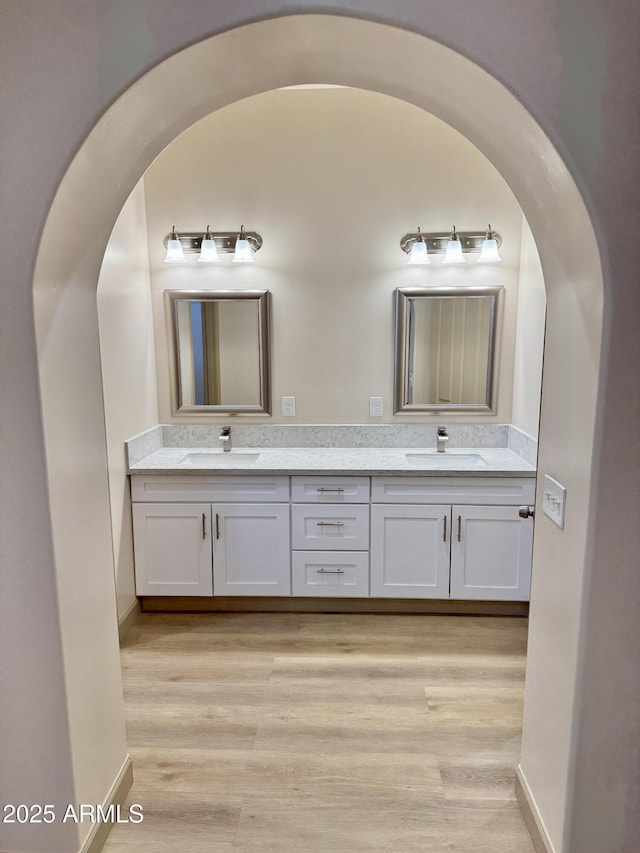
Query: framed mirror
(445, 342)
(221, 352)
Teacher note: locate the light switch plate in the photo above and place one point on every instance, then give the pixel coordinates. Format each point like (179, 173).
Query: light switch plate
(376, 407)
(554, 497)
(288, 407)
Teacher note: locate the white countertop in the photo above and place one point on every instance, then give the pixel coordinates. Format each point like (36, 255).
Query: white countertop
(334, 461)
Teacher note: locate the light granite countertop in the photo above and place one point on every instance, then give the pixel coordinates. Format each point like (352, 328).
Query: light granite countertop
(335, 461)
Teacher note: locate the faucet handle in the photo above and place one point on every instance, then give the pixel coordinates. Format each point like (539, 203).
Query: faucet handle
(442, 431)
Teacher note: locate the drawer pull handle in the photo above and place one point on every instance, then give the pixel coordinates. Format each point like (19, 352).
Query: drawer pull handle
(444, 535)
(328, 489)
(204, 527)
(330, 523)
(217, 526)
(330, 571)
(459, 528)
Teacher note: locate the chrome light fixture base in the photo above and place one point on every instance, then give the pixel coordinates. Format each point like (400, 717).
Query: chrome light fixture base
(437, 241)
(225, 241)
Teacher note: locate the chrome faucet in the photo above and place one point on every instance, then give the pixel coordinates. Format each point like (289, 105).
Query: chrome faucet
(443, 438)
(225, 438)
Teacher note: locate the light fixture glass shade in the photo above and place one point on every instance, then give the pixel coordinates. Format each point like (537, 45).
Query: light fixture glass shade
(453, 253)
(419, 253)
(208, 251)
(243, 253)
(174, 255)
(489, 253)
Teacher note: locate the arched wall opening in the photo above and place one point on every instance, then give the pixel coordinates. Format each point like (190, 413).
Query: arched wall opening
(139, 125)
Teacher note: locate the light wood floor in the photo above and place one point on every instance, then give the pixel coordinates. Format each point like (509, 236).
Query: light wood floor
(309, 733)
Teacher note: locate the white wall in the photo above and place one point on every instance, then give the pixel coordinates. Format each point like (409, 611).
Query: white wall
(532, 306)
(561, 78)
(331, 179)
(128, 371)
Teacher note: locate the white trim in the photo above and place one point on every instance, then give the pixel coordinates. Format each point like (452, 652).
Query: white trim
(97, 838)
(128, 619)
(535, 824)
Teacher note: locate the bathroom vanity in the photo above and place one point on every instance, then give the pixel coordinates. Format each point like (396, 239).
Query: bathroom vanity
(334, 523)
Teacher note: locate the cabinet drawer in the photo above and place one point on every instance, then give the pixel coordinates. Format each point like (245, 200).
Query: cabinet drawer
(334, 574)
(330, 490)
(497, 491)
(256, 488)
(330, 528)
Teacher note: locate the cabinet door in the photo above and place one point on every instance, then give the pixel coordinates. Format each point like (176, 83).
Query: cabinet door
(410, 551)
(251, 551)
(172, 547)
(491, 553)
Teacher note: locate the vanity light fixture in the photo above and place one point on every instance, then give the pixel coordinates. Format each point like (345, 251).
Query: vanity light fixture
(174, 255)
(210, 245)
(489, 253)
(208, 252)
(418, 253)
(453, 253)
(486, 243)
(243, 253)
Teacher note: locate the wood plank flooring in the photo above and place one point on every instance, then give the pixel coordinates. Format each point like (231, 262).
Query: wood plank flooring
(324, 733)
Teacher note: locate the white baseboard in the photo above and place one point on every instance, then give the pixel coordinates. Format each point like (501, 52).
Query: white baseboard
(97, 838)
(534, 822)
(128, 620)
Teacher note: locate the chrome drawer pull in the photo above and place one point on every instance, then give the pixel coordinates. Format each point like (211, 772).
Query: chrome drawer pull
(444, 535)
(459, 528)
(327, 489)
(330, 571)
(330, 523)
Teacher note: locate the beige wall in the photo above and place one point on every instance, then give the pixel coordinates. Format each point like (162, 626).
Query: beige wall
(239, 352)
(331, 179)
(532, 305)
(128, 370)
(569, 68)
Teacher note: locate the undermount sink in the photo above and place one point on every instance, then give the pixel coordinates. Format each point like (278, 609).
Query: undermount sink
(232, 458)
(434, 459)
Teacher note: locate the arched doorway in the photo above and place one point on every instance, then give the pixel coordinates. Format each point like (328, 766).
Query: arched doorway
(241, 62)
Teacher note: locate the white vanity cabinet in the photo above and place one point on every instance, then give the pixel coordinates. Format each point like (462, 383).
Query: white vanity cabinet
(451, 537)
(330, 536)
(410, 537)
(211, 535)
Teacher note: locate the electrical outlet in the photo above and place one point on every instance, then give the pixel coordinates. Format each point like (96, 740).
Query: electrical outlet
(288, 407)
(554, 497)
(376, 407)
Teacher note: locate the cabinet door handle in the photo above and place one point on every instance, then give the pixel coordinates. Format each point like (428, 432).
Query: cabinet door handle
(329, 523)
(444, 535)
(204, 526)
(217, 526)
(328, 489)
(330, 571)
(459, 528)
(526, 512)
